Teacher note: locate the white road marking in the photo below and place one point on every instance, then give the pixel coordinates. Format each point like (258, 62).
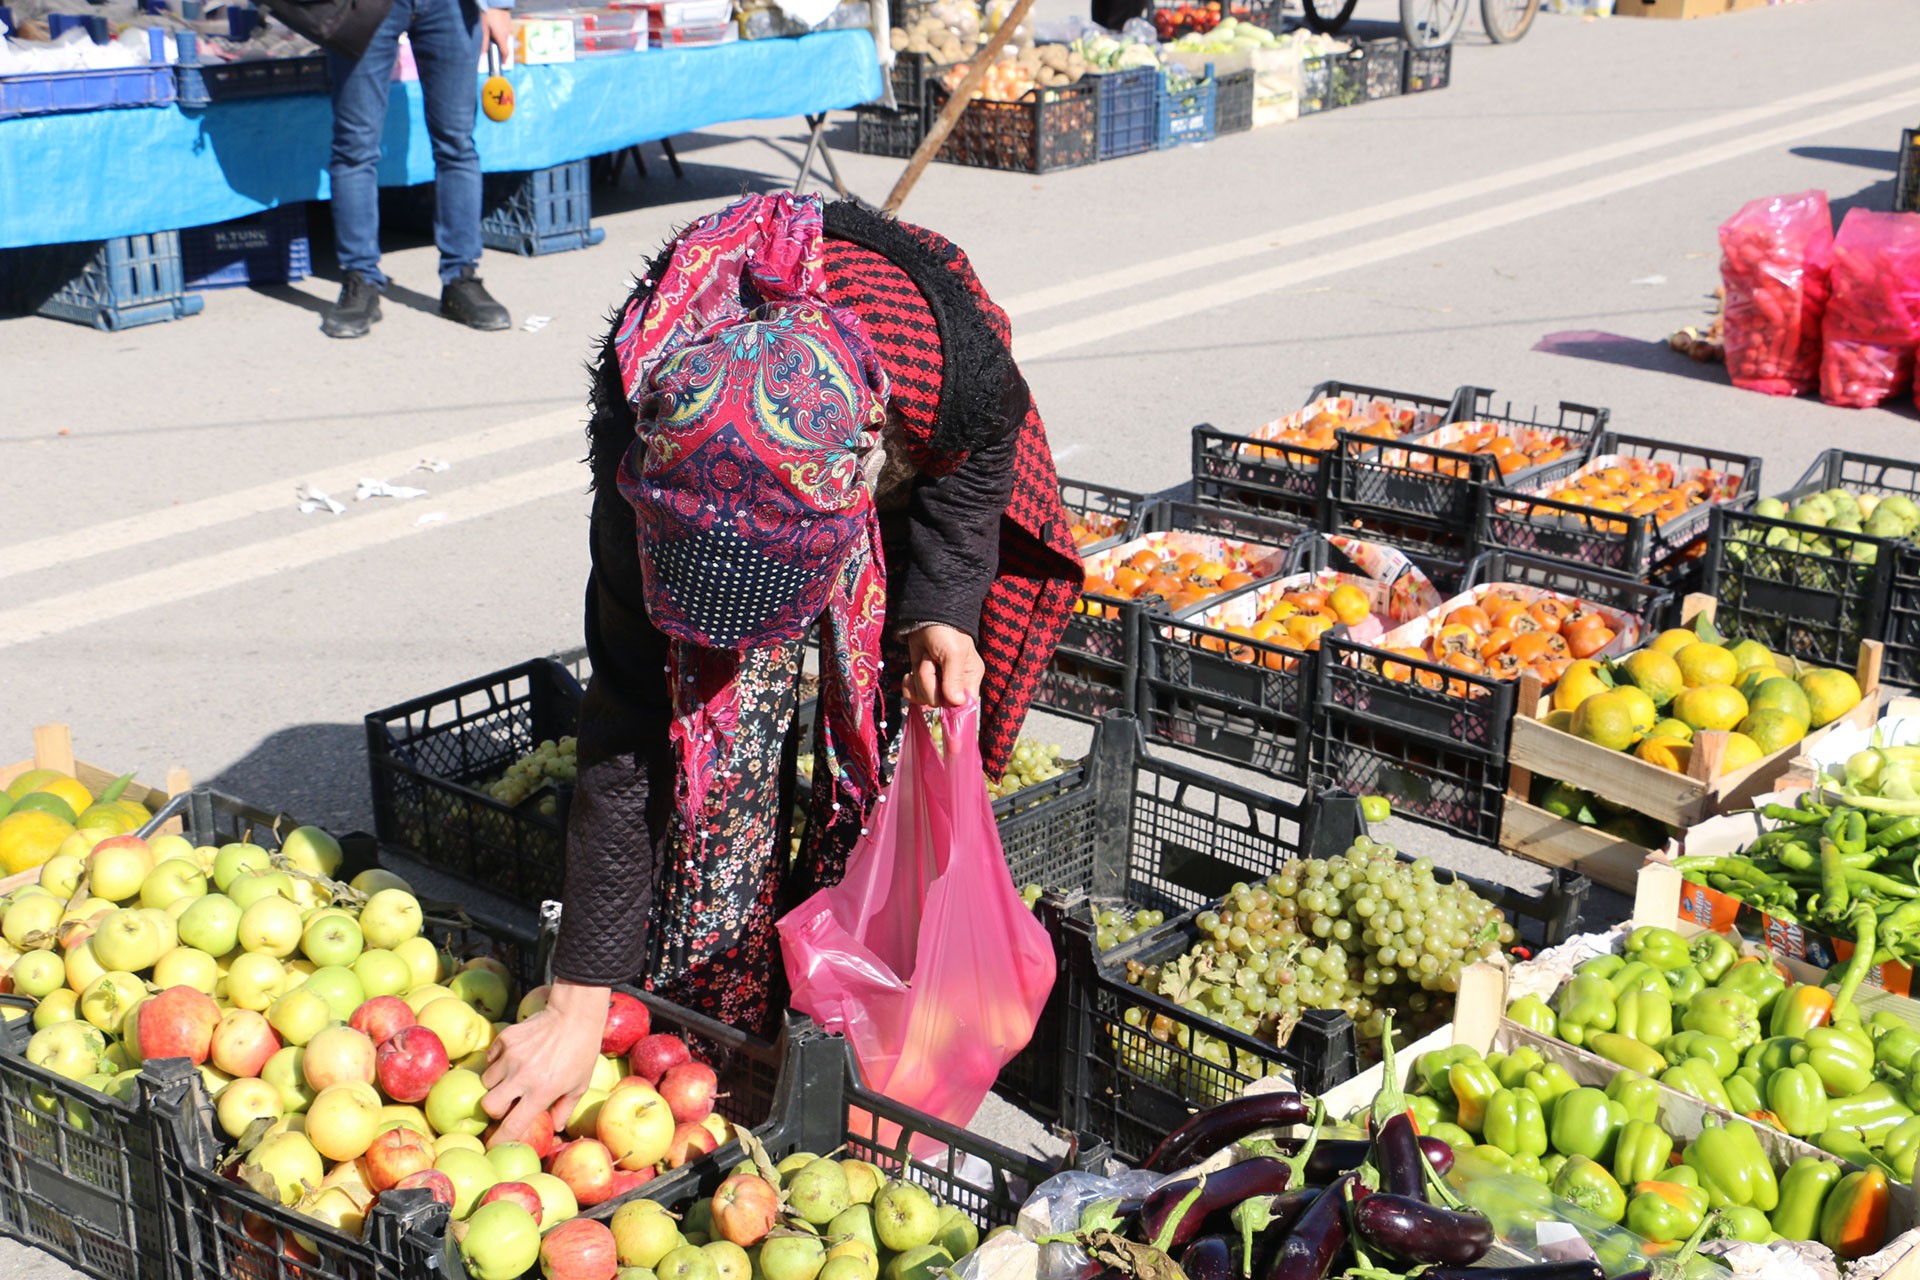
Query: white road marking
(313, 544)
(1238, 287)
(1171, 265)
(276, 495)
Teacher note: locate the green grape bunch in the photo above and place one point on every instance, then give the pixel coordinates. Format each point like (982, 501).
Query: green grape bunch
(550, 762)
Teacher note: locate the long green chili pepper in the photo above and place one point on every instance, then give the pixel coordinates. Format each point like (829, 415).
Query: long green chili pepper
(1874, 882)
(1898, 833)
(1833, 881)
(1798, 857)
(1865, 931)
(1811, 815)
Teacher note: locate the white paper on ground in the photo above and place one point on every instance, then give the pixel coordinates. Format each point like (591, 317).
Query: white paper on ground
(382, 489)
(312, 500)
(433, 464)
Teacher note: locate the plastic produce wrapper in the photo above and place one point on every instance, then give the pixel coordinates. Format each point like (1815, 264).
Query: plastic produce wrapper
(1056, 1207)
(1775, 257)
(1873, 317)
(924, 956)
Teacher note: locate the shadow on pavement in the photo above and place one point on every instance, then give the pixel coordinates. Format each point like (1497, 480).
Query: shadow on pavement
(1862, 157)
(1629, 353)
(316, 772)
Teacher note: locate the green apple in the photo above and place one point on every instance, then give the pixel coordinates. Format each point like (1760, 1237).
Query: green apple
(286, 1071)
(484, 990)
(172, 846)
(236, 860)
(292, 1161)
(397, 1115)
(58, 1007)
(271, 925)
(453, 1104)
(255, 980)
(245, 1101)
(211, 923)
(117, 866)
(343, 1120)
(311, 850)
(298, 1016)
(382, 973)
(82, 967)
(38, 974)
(460, 1029)
(80, 842)
(70, 1049)
(108, 998)
(30, 918)
(456, 1142)
(339, 988)
(172, 879)
(332, 939)
(473, 1176)
(187, 967)
(501, 1242)
(251, 887)
(418, 998)
(391, 917)
(556, 1198)
(514, 1161)
(421, 957)
(374, 879)
(60, 874)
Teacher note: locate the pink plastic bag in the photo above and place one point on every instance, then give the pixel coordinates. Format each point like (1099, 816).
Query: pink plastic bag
(924, 956)
(1873, 318)
(1775, 255)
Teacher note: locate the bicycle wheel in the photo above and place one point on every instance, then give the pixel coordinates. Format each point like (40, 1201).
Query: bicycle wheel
(1325, 16)
(1428, 24)
(1508, 20)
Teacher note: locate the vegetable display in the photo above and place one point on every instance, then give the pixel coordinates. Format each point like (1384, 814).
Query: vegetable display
(1775, 257)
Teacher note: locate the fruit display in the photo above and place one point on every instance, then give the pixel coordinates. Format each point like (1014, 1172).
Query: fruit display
(949, 31)
(1018, 72)
(1315, 426)
(339, 1046)
(1512, 449)
(1729, 1031)
(1090, 527)
(1829, 516)
(44, 812)
(1623, 484)
(1363, 932)
(1180, 569)
(1502, 630)
(1206, 18)
(1291, 615)
(551, 764)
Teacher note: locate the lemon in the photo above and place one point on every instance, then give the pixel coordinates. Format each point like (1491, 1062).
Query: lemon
(30, 781)
(1668, 753)
(1830, 693)
(1580, 682)
(1773, 729)
(1782, 694)
(29, 839)
(1655, 674)
(1741, 752)
(1713, 706)
(1645, 714)
(1751, 653)
(69, 789)
(1704, 664)
(1671, 728)
(1612, 720)
(1753, 677)
(1672, 641)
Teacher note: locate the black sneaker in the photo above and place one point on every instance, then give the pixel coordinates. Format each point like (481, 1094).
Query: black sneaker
(356, 311)
(465, 300)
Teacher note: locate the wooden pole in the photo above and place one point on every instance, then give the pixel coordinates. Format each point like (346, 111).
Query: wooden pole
(943, 123)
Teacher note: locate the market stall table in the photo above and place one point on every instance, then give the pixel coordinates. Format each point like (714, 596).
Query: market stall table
(94, 175)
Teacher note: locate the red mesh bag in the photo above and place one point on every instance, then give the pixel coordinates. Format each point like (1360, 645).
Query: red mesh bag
(1873, 318)
(1775, 256)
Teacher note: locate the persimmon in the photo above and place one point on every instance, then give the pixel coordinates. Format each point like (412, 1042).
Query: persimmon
(1471, 616)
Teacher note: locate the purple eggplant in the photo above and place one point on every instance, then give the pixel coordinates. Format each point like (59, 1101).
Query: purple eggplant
(1410, 1230)
(1397, 1152)
(1318, 1236)
(1217, 1127)
(1176, 1213)
(1210, 1258)
(1525, 1271)
(1333, 1157)
(1269, 1217)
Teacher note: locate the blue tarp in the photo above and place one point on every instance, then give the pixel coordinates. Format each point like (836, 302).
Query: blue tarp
(92, 175)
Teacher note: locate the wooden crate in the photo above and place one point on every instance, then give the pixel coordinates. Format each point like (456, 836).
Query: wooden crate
(53, 749)
(1677, 800)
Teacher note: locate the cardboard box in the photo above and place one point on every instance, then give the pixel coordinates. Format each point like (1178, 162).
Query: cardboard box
(1671, 8)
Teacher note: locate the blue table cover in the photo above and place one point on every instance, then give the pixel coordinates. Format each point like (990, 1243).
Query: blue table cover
(96, 174)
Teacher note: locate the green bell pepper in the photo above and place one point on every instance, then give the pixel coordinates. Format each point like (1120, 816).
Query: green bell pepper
(1584, 1006)
(1529, 1166)
(1713, 955)
(1512, 1070)
(1639, 976)
(1515, 1124)
(1701, 1046)
(1472, 1084)
(1697, 1080)
(1799, 1010)
(1451, 1134)
(1550, 1084)
(1732, 1167)
(1684, 983)
(1625, 1051)
(1585, 1123)
(1741, 1222)
(1746, 1091)
(1848, 1146)
(1637, 1095)
(1432, 1067)
(1843, 1058)
(1757, 979)
(1645, 1015)
(1532, 1013)
(1897, 1048)
(1601, 966)
(1587, 1185)
(1552, 1163)
(1685, 1175)
(1731, 1015)
(1641, 1152)
(1662, 948)
(1900, 1147)
(1771, 1054)
(1872, 1113)
(1512, 1203)
(1804, 1188)
(1798, 1100)
(1665, 1211)
(1424, 1110)
(1483, 1159)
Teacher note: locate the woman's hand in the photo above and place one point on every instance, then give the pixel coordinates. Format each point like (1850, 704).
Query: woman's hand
(943, 667)
(546, 1062)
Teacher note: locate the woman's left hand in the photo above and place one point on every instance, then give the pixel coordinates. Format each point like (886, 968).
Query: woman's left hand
(944, 667)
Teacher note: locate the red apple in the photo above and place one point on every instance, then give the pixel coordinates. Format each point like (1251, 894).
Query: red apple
(396, 1155)
(627, 1021)
(689, 1089)
(242, 1043)
(539, 1135)
(178, 1023)
(636, 1125)
(656, 1055)
(587, 1168)
(518, 1192)
(744, 1209)
(627, 1181)
(381, 1018)
(432, 1180)
(580, 1249)
(690, 1142)
(409, 1063)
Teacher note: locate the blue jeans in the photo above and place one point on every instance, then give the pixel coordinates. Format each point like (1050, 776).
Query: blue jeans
(446, 36)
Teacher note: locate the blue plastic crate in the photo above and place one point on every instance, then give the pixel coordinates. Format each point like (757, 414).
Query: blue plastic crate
(539, 211)
(111, 284)
(1127, 103)
(270, 247)
(47, 93)
(1183, 117)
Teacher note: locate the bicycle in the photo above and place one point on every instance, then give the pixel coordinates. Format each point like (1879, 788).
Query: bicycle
(1429, 24)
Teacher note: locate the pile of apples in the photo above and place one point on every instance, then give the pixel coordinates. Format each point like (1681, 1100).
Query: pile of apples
(807, 1219)
(341, 1049)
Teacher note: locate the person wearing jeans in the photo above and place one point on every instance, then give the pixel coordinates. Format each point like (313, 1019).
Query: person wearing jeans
(447, 37)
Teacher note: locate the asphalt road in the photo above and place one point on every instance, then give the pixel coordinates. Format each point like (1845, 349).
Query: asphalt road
(160, 590)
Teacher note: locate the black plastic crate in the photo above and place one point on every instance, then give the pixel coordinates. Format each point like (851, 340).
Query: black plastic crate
(1443, 546)
(200, 83)
(1331, 80)
(1429, 69)
(1245, 472)
(539, 211)
(1386, 68)
(912, 74)
(430, 756)
(1081, 687)
(1906, 184)
(108, 284)
(1126, 105)
(1183, 116)
(1232, 103)
(1819, 607)
(895, 134)
(1626, 545)
(1581, 424)
(1047, 130)
(1109, 515)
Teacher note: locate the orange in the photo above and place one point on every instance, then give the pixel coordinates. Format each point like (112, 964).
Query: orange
(1707, 664)
(1713, 706)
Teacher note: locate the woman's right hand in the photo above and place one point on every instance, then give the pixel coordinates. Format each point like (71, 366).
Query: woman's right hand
(545, 1063)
